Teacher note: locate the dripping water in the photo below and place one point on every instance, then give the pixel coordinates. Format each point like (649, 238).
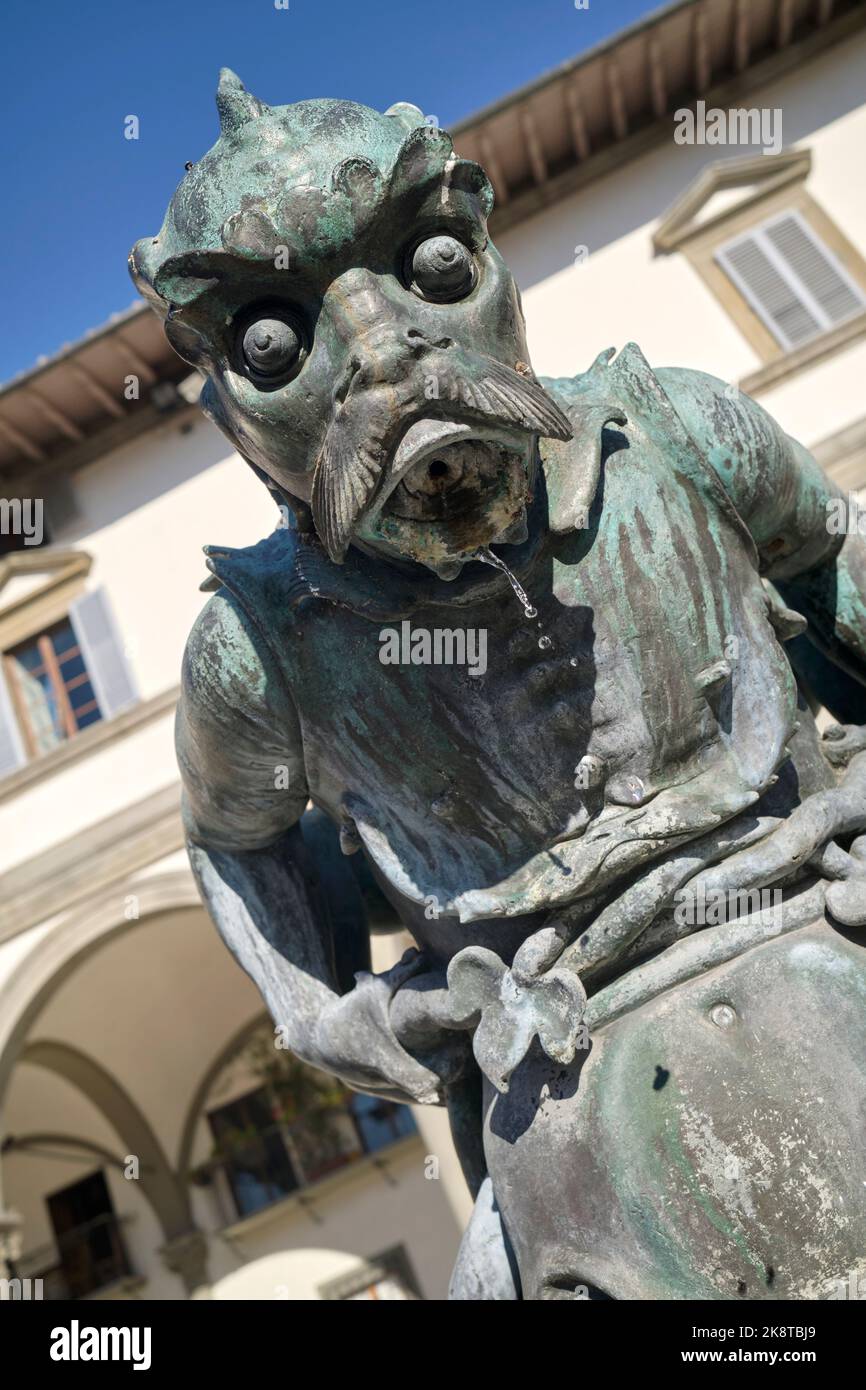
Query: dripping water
(487, 557)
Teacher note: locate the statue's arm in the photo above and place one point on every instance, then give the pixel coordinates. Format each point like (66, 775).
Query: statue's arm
(241, 758)
(797, 518)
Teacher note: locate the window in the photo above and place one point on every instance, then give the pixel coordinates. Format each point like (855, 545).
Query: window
(51, 689)
(60, 680)
(791, 279)
(380, 1122)
(258, 1167)
(279, 1138)
(778, 265)
(88, 1252)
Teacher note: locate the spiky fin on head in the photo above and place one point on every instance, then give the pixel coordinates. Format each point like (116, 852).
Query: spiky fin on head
(235, 104)
(307, 178)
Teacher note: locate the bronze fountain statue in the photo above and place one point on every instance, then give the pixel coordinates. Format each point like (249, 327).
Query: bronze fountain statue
(545, 657)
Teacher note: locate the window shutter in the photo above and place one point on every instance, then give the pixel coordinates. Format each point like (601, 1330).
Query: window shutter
(816, 268)
(102, 649)
(12, 751)
(792, 281)
(770, 294)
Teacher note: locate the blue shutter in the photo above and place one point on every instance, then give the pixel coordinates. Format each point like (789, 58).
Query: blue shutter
(102, 648)
(12, 751)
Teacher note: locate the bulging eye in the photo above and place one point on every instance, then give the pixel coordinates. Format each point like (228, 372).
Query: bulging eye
(271, 346)
(442, 269)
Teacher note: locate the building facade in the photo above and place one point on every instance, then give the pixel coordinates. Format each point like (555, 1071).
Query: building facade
(693, 185)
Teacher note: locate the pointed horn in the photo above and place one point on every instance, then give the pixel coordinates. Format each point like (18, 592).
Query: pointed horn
(235, 104)
(422, 156)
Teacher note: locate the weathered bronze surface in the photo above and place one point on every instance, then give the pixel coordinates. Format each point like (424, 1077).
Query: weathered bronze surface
(547, 654)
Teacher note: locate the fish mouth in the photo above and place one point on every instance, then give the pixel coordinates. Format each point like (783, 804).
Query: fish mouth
(451, 488)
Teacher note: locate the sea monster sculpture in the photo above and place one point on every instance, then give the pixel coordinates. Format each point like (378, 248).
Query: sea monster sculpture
(634, 872)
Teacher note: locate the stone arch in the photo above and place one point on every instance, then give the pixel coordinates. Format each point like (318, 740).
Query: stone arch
(167, 1196)
(67, 946)
(26, 1142)
(41, 972)
(196, 1106)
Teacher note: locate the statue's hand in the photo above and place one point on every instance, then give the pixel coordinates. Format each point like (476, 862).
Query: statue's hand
(355, 1039)
(839, 743)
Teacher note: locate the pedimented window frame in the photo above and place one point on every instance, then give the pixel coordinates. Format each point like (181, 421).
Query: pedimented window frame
(65, 579)
(772, 184)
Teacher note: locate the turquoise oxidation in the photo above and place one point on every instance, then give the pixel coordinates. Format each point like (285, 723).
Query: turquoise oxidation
(268, 163)
(650, 1098)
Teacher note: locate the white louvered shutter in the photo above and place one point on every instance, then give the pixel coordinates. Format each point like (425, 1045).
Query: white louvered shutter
(790, 278)
(102, 648)
(12, 751)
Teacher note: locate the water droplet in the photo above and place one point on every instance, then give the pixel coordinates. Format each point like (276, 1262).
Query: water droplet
(573, 661)
(545, 643)
(487, 557)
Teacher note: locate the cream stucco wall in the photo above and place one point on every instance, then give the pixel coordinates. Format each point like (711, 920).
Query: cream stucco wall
(623, 291)
(145, 512)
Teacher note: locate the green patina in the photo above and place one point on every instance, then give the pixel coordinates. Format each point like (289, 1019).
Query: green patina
(639, 548)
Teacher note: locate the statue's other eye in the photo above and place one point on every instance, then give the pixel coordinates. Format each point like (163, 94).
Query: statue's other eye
(442, 269)
(271, 346)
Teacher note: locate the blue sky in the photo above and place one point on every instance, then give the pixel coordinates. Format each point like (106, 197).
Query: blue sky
(77, 194)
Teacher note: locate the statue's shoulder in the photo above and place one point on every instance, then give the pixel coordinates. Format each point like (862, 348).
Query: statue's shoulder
(223, 647)
(617, 386)
(236, 727)
(625, 376)
(722, 438)
(229, 660)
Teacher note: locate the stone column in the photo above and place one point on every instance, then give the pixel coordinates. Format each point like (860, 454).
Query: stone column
(186, 1255)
